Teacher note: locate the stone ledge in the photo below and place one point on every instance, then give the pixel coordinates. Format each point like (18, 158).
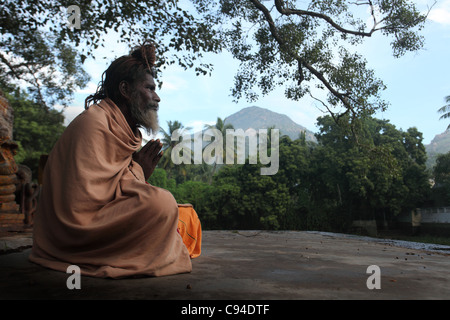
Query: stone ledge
(15, 243)
(256, 265)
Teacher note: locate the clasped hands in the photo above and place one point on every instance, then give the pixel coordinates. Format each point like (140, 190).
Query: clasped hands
(149, 156)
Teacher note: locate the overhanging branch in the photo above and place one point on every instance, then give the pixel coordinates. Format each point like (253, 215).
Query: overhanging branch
(299, 12)
(343, 97)
(10, 66)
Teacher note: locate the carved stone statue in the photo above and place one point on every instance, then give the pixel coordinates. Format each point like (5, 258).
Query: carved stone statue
(8, 166)
(17, 193)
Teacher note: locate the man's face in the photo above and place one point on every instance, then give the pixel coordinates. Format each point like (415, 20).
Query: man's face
(144, 104)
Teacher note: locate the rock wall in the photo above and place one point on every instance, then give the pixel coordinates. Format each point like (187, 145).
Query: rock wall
(8, 166)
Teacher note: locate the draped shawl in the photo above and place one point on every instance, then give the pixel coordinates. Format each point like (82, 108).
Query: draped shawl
(96, 210)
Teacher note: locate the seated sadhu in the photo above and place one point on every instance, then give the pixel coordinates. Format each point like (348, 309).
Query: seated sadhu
(96, 208)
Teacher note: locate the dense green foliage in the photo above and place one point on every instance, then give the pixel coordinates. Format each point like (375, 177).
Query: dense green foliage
(322, 186)
(36, 129)
(441, 173)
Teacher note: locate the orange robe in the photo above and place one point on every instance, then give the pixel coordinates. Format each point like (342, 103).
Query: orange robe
(190, 229)
(96, 210)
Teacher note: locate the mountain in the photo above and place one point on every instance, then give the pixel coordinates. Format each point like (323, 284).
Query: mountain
(439, 145)
(260, 118)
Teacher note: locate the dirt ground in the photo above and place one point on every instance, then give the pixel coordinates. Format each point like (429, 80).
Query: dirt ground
(254, 265)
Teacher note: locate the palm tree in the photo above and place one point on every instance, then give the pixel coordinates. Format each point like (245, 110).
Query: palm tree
(222, 127)
(445, 110)
(168, 145)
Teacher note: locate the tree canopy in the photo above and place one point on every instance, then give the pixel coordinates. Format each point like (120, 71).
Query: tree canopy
(39, 49)
(304, 46)
(301, 46)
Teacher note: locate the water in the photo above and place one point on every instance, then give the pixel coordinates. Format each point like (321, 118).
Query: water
(399, 243)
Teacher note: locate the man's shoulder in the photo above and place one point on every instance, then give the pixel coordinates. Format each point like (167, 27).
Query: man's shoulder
(90, 118)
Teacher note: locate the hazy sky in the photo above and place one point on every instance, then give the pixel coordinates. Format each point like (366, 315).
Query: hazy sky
(417, 84)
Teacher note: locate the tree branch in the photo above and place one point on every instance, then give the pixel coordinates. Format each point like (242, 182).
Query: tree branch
(341, 96)
(40, 97)
(322, 16)
(372, 12)
(10, 66)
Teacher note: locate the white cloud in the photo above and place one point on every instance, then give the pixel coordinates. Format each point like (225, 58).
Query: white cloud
(198, 125)
(441, 13)
(89, 89)
(71, 112)
(173, 83)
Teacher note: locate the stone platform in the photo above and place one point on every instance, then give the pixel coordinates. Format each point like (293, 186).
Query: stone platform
(253, 265)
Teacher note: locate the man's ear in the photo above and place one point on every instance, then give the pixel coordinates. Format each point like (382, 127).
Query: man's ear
(124, 89)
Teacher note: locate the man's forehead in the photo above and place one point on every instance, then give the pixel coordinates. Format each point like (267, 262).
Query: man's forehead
(144, 80)
(147, 79)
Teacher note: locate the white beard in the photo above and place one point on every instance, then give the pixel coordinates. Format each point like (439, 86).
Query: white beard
(145, 116)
